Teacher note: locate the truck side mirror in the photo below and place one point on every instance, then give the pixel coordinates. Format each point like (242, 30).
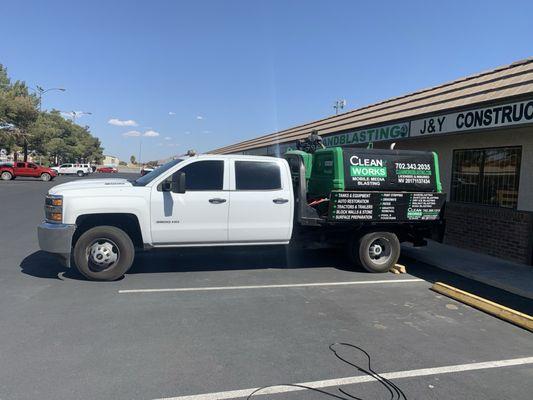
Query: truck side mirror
(178, 182)
(166, 186)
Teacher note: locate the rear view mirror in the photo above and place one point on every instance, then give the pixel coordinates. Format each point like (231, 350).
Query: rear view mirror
(178, 182)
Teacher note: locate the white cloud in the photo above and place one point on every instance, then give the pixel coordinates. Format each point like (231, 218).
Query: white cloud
(151, 133)
(206, 131)
(199, 117)
(171, 113)
(187, 132)
(120, 122)
(168, 138)
(132, 134)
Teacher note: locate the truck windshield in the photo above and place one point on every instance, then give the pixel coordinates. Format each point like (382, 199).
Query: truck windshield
(144, 180)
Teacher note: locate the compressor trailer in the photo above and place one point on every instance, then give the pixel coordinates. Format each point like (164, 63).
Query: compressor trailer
(367, 201)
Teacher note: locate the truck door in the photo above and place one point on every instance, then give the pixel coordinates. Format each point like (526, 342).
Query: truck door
(65, 169)
(261, 202)
(33, 170)
(198, 216)
(24, 169)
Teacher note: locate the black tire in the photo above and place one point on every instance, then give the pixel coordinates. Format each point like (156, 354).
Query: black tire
(6, 176)
(80, 173)
(108, 242)
(45, 177)
(376, 251)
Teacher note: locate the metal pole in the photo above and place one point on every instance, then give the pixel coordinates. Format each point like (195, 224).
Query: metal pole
(140, 149)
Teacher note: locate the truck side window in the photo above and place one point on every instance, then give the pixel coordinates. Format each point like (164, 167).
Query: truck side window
(21, 165)
(257, 175)
(204, 175)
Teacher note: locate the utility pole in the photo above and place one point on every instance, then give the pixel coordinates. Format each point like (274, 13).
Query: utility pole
(339, 105)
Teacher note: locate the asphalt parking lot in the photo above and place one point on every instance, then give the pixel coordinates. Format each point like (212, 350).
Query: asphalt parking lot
(210, 324)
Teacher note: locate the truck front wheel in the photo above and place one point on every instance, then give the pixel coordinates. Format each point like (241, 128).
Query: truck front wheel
(376, 251)
(104, 253)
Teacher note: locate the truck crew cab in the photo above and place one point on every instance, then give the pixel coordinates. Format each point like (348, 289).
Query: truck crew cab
(230, 200)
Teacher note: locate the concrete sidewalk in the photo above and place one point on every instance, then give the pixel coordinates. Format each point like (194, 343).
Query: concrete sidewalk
(512, 277)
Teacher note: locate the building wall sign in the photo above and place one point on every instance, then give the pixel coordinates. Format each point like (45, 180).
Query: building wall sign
(482, 118)
(388, 132)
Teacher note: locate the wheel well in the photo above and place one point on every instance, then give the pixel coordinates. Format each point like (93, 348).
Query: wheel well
(127, 222)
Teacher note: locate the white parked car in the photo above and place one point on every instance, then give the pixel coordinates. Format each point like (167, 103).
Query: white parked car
(73, 169)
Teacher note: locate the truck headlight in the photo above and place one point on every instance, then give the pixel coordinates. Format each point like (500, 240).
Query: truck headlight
(53, 208)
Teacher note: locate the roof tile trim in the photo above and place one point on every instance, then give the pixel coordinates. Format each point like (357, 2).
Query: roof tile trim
(516, 74)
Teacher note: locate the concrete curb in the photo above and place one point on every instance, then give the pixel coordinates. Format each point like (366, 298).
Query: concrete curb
(426, 258)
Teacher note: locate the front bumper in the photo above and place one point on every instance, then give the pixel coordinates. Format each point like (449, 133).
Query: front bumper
(55, 238)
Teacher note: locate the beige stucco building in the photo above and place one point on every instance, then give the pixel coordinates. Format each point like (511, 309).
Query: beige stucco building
(110, 161)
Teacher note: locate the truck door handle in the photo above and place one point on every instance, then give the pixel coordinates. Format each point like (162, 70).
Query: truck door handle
(217, 201)
(280, 201)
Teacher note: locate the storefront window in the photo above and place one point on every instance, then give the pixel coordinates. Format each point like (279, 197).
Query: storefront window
(486, 176)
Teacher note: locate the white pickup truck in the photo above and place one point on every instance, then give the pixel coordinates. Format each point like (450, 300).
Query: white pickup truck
(73, 169)
(205, 200)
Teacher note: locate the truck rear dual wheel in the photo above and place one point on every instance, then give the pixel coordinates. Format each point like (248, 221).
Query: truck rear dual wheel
(376, 251)
(104, 253)
(80, 173)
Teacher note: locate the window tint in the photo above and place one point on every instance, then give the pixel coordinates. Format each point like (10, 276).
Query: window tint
(32, 166)
(204, 175)
(21, 165)
(486, 176)
(257, 175)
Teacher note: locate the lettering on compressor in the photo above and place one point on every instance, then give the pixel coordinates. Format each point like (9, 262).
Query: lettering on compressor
(483, 118)
(367, 167)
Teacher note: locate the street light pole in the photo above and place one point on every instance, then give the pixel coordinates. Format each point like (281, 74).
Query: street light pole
(76, 114)
(140, 149)
(339, 105)
(40, 90)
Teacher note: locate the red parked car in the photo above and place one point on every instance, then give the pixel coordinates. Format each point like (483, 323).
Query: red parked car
(26, 169)
(108, 170)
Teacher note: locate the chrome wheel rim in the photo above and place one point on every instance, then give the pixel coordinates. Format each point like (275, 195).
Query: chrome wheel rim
(45, 177)
(6, 176)
(380, 251)
(102, 254)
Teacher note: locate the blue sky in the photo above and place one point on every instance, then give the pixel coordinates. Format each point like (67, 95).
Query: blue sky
(204, 74)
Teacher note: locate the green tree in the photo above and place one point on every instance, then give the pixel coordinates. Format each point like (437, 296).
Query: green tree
(133, 160)
(44, 133)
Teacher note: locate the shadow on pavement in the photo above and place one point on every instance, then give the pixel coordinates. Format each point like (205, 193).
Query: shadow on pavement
(43, 265)
(236, 258)
(433, 274)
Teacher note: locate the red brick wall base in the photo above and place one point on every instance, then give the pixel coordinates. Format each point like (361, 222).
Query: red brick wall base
(498, 232)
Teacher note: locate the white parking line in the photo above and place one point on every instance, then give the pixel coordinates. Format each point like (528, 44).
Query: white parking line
(293, 285)
(236, 394)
